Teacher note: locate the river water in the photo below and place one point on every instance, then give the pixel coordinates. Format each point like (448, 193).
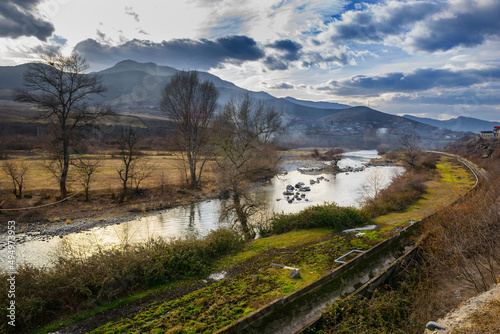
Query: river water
(345, 189)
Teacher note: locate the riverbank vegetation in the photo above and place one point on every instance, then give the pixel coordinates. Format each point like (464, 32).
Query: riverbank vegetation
(328, 215)
(78, 283)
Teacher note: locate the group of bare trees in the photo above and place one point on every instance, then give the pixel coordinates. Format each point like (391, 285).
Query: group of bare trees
(238, 139)
(464, 239)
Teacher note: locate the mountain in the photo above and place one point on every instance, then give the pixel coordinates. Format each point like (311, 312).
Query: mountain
(461, 123)
(320, 105)
(134, 87)
(364, 117)
(11, 77)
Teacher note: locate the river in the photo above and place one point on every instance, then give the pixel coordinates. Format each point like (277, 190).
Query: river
(345, 189)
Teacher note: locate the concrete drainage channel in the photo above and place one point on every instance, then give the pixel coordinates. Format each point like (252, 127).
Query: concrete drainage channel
(296, 311)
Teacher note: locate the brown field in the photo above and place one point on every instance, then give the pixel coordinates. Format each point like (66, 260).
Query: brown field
(164, 188)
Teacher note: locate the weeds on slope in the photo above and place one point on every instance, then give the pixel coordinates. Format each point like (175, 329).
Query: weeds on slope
(76, 284)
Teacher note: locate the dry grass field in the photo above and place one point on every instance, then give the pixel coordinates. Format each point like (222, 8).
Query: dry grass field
(165, 187)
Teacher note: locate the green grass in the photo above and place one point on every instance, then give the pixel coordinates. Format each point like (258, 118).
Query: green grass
(212, 308)
(443, 189)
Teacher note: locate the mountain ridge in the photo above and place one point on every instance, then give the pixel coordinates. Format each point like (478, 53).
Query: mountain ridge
(460, 123)
(135, 89)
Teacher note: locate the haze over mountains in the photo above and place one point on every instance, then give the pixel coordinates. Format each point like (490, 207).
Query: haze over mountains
(461, 123)
(135, 89)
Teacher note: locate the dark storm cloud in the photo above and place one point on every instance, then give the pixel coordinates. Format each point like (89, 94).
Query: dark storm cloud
(275, 64)
(416, 81)
(468, 27)
(421, 25)
(181, 53)
(376, 22)
(283, 52)
(17, 19)
(289, 48)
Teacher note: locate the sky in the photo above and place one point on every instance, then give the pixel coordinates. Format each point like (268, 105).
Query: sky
(429, 58)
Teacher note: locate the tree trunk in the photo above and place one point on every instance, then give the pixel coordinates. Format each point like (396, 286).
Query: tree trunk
(192, 171)
(242, 218)
(62, 186)
(124, 191)
(65, 168)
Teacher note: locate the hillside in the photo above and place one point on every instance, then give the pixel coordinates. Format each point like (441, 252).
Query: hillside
(136, 87)
(461, 123)
(364, 116)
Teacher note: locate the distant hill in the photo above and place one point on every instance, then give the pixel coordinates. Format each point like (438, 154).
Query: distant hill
(320, 105)
(461, 123)
(366, 117)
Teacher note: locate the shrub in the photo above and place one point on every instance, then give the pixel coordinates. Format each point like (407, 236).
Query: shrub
(404, 191)
(328, 216)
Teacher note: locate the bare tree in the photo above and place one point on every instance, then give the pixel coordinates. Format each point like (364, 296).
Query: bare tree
(129, 155)
(316, 154)
(242, 136)
(374, 184)
(190, 104)
(16, 173)
(464, 239)
(334, 155)
(411, 146)
(87, 166)
(141, 172)
(62, 91)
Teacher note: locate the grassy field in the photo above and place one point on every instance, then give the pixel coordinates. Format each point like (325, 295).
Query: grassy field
(164, 188)
(165, 165)
(253, 286)
(453, 181)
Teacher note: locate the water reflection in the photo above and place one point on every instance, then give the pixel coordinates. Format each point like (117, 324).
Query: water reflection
(200, 218)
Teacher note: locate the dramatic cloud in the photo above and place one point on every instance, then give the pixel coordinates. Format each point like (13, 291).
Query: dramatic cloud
(466, 23)
(484, 95)
(415, 81)
(275, 64)
(17, 19)
(289, 48)
(420, 25)
(281, 85)
(181, 53)
(376, 22)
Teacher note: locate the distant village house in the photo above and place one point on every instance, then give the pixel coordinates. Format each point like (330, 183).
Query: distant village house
(491, 134)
